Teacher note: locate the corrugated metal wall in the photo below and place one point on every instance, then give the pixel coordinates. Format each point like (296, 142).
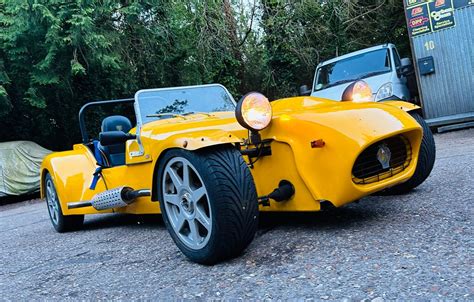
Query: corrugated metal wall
(450, 90)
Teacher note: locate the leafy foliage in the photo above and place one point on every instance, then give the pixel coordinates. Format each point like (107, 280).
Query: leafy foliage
(56, 55)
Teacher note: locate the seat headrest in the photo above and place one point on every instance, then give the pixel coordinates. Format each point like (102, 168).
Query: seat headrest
(116, 123)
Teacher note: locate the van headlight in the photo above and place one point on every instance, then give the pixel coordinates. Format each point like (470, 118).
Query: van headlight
(385, 91)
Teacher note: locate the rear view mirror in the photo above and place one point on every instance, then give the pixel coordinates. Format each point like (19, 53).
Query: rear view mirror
(304, 90)
(114, 137)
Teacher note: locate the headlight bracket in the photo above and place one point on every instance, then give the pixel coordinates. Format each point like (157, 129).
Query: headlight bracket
(256, 150)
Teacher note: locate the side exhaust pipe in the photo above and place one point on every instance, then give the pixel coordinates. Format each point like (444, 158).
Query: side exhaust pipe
(115, 198)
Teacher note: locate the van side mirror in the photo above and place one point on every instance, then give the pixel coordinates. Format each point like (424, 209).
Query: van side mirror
(304, 90)
(406, 66)
(114, 137)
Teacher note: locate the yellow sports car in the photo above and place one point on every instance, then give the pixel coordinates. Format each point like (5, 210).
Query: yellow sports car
(209, 164)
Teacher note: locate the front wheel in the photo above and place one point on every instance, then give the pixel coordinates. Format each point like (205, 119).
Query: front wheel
(426, 159)
(209, 202)
(61, 223)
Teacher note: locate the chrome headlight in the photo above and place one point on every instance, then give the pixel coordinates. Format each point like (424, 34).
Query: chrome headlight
(385, 91)
(254, 111)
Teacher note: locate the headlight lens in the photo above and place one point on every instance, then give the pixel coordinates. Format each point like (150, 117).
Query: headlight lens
(254, 111)
(384, 92)
(357, 92)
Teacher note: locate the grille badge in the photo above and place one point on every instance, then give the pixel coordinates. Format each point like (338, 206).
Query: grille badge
(384, 155)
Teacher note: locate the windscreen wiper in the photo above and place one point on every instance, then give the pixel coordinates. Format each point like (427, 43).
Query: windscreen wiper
(340, 82)
(370, 74)
(198, 112)
(166, 114)
(374, 73)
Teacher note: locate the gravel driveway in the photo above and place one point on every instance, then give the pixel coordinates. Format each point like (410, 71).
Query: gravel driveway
(415, 246)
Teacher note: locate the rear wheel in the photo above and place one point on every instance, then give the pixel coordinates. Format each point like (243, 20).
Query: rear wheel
(426, 159)
(209, 203)
(61, 223)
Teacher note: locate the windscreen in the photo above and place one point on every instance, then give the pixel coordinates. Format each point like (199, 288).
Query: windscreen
(169, 102)
(354, 68)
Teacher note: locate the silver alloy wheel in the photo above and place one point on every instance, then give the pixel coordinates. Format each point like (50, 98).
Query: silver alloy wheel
(52, 200)
(187, 203)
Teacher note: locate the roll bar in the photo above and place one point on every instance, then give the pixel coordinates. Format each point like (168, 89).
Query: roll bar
(82, 123)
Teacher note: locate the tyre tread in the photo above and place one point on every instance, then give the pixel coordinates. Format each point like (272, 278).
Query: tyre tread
(426, 160)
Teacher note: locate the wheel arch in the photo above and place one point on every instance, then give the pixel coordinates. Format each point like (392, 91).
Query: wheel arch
(154, 191)
(43, 173)
(49, 167)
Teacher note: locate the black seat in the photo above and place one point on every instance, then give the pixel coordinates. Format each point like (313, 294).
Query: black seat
(114, 155)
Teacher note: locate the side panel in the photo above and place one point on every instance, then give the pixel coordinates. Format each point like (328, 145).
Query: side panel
(137, 176)
(141, 175)
(281, 165)
(72, 172)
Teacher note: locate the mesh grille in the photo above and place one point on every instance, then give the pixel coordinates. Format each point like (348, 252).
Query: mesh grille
(369, 169)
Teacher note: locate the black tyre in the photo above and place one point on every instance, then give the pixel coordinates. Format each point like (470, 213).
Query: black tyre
(61, 223)
(426, 160)
(208, 202)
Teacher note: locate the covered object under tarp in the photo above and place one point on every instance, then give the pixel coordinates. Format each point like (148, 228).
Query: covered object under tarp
(20, 167)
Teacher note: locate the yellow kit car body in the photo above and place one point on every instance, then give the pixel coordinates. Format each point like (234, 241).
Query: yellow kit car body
(319, 146)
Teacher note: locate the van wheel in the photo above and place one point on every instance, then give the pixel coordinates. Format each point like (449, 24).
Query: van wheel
(61, 223)
(209, 202)
(426, 159)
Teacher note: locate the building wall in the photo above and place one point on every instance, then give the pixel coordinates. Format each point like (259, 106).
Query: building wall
(450, 90)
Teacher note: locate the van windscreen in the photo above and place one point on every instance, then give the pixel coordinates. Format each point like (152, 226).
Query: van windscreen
(353, 68)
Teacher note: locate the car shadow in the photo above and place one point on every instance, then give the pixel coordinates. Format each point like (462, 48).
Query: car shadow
(348, 216)
(6, 200)
(103, 221)
(333, 218)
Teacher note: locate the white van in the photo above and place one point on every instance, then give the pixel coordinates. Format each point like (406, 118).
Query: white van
(388, 76)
